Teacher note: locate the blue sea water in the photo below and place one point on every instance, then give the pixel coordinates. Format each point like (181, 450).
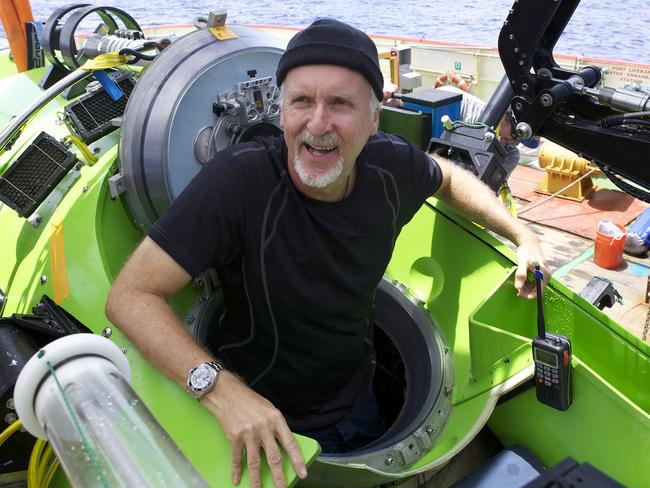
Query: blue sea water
(615, 29)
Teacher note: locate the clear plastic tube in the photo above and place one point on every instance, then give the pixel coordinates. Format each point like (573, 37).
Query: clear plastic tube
(102, 432)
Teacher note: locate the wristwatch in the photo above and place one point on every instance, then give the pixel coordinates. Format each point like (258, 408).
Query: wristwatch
(202, 378)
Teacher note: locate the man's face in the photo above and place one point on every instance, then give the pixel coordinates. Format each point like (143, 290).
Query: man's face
(327, 120)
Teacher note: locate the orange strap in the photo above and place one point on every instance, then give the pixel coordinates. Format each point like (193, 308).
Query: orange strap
(14, 14)
(58, 266)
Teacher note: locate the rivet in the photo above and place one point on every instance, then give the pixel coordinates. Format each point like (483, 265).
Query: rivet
(43, 279)
(429, 429)
(35, 219)
(10, 418)
(389, 460)
(189, 318)
(123, 350)
(107, 332)
(546, 100)
(10, 404)
(84, 189)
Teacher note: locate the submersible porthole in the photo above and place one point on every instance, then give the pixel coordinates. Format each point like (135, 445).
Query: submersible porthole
(406, 340)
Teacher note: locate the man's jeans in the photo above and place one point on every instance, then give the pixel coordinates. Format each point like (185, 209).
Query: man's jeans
(359, 428)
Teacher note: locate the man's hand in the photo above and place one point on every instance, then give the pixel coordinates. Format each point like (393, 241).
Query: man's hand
(389, 90)
(529, 253)
(251, 422)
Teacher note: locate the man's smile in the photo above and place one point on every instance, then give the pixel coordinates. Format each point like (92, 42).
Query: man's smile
(319, 150)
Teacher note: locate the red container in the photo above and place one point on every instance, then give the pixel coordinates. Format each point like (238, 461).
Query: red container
(608, 250)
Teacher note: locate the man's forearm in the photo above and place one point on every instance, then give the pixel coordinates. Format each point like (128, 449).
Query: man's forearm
(155, 330)
(465, 193)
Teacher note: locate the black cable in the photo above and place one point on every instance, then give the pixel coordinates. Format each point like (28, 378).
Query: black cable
(636, 122)
(636, 114)
(610, 121)
(138, 56)
(622, 119)
(637, 193)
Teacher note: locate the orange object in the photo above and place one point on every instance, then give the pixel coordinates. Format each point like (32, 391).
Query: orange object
(14, 14)
(58, 266)
(608, 251)
(454, 78)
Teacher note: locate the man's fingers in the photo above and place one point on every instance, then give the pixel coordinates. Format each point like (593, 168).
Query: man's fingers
(254, 463)
(235, 462)
(521, 275)
(274, 458)
(290, 445)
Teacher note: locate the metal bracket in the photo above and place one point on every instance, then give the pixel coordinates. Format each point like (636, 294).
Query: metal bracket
(48, 322)
(116, 185)
(216, 18)
(601, 293)
(206, 283)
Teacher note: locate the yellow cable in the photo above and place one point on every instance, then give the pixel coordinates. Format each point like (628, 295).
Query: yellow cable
(42, 465)
(34, 460)
(105, 61)
(10, 430)
(50, 473)
(506, 198)
(90, 157)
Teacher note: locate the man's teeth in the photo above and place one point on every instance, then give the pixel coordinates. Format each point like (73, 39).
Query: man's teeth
(320, 149)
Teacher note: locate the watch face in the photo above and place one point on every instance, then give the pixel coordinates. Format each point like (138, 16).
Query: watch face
(203, 377)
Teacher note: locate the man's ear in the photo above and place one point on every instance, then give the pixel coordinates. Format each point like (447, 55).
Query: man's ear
(374, 124)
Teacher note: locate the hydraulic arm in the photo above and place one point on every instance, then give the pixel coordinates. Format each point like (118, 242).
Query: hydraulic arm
(610, 126)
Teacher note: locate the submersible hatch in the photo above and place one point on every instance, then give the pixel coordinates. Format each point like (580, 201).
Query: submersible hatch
(203, 94)
(200, 96)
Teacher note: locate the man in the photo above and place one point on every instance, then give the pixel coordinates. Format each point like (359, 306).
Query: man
(300, 229)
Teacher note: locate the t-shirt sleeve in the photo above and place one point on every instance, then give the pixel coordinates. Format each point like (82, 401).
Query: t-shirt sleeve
(204, 225)
(424, 179)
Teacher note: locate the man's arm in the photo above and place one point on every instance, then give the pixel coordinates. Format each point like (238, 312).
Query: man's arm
(464, 192)
(138, 305)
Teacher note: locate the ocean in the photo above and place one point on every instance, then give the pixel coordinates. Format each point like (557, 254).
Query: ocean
(614, 29)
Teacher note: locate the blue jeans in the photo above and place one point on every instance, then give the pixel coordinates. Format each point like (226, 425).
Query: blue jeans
(354, 431)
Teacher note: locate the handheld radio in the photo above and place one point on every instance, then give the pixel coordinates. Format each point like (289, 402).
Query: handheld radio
(552, 356)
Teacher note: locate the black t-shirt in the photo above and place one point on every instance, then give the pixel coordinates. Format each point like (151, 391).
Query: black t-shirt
(298, 274)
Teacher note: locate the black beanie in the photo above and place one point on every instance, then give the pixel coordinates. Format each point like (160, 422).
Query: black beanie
(328, 41)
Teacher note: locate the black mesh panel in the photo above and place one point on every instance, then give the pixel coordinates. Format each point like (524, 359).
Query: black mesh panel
(34, 174)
